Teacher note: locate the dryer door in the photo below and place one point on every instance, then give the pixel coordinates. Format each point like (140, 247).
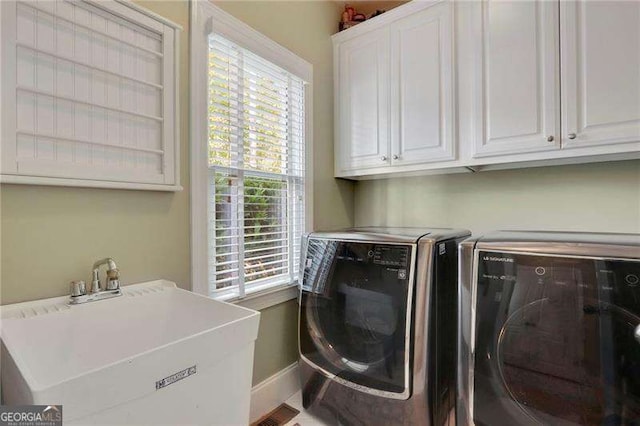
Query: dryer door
(556, 341)
(355, 314)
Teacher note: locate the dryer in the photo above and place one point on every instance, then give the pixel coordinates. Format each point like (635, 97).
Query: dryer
(550, 329)
(377, 325)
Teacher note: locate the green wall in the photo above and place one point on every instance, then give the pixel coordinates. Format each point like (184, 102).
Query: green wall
(51, 235)
(601, 197)
(277, 344)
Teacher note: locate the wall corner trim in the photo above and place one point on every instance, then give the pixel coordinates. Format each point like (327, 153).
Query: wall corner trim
(273, 391)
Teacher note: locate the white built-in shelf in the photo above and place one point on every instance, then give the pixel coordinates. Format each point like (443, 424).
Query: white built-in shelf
(89, 95)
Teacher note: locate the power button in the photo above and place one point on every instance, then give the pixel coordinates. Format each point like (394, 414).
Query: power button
(632, 280)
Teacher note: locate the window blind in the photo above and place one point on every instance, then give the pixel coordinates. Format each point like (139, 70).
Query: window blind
(256, 170)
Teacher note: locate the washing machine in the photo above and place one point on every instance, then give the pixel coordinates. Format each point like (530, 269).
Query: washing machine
(377, 325)
(550, 329)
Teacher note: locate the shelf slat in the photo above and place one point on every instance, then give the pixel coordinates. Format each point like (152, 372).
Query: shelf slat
(84, 64)
(88, 142)
(91, 104)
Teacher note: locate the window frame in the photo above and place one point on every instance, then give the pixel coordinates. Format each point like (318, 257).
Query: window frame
(205, 19)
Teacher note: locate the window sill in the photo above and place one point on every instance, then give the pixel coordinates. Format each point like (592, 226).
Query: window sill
(270, 297)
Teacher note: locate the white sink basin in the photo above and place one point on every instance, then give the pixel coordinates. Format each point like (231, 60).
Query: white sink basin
(104, 361)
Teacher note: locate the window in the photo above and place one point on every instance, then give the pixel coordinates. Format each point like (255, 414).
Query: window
(256, 169)
(252, 171)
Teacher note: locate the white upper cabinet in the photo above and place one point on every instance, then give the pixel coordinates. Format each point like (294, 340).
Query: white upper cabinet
(552, 80)
(394, 91)
(600, 46)
(421, 101)
(88, 95)
(455, 86)
(516, 70)
(362, 108)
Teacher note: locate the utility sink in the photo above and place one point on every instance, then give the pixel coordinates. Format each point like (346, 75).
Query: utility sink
(157, 354)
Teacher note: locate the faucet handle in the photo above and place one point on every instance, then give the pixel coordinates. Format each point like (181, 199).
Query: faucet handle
(78, 288)
(95, 282)
(113, 279)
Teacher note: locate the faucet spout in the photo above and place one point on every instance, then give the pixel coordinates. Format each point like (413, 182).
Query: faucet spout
(106, 261)
(113, 275)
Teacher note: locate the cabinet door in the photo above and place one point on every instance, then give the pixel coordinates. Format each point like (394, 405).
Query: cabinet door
(422, 119)
(600, 72)
(516, 77)
(363, 101)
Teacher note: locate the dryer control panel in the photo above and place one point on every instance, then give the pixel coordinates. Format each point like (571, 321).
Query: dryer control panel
(391, 255)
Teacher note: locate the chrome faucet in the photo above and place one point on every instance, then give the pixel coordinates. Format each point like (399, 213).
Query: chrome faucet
(113, 275)
(111, 287)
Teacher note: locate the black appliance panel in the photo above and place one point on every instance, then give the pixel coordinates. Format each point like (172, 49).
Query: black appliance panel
(354, 306)
(557, 340)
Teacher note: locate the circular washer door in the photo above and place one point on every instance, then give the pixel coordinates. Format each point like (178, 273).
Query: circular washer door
(571, 366)
(556, 340)
(353, 315)
(357, 332)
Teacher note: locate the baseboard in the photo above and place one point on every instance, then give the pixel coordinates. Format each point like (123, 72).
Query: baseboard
(273, 391)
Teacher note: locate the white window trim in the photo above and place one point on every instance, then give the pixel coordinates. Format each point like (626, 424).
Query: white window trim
(206, 18)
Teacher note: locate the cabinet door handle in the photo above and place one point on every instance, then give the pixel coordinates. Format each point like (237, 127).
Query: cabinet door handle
(572, 135)
(395, 157)
(550, 138)
(383, 158)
